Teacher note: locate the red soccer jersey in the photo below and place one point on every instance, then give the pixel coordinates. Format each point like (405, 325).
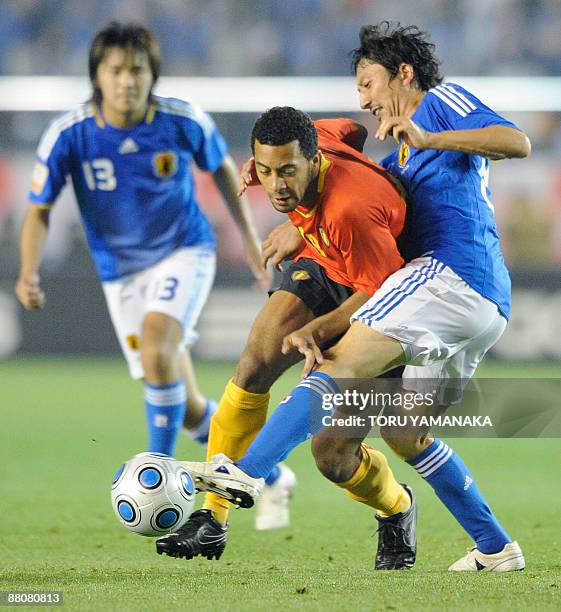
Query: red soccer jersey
(351, 227)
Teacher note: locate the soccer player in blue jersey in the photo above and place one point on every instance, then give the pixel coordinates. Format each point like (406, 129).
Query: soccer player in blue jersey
(128, 153)
(438, 315)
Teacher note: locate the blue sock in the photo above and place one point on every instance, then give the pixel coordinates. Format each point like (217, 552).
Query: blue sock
(201, 429)
(297, 417)
(273, 476)
(165, 410)
(447, 474)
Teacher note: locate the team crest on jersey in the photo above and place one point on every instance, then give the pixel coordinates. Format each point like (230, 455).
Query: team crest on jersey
(403, 154)
(324, 237)
(165, 164)
(299, 275)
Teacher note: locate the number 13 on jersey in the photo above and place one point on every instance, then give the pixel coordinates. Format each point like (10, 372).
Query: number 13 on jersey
(100, 174)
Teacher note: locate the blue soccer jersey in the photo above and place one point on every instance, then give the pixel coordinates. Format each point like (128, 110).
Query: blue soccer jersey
(134, 186)
(451, 214)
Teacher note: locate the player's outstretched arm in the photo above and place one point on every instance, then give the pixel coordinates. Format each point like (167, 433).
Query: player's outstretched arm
(308, 339)
(226, 179)
(32, 243)
(494, 142)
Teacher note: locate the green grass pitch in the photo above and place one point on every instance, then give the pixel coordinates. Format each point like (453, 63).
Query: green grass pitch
(67, 425)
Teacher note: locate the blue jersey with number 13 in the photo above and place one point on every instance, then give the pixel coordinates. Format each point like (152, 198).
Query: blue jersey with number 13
(134, 186)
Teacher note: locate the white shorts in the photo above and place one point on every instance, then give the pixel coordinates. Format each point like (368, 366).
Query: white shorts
(177, 286)
(444, 326)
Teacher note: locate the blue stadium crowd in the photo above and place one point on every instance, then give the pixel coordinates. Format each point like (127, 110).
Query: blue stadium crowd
(283, 37)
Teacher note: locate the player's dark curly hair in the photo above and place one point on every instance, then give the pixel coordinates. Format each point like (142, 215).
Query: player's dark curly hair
(390, 45)
(125, 36)
(283, 124)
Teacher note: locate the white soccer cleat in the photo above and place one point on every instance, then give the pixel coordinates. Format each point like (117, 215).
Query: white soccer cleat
(223, 477)
(272, 505)
(510, 559)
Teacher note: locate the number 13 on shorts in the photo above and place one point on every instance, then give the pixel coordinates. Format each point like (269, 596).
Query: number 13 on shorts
(167, 288)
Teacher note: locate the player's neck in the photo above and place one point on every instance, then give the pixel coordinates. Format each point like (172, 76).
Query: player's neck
(412, 102)
(122, 120)
(311, 193)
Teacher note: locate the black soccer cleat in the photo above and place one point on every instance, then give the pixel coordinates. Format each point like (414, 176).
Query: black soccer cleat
(201, 535)
(397, 538)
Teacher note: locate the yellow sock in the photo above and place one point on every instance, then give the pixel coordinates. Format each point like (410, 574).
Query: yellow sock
(238, 419)
(374, 484)
(219, 507)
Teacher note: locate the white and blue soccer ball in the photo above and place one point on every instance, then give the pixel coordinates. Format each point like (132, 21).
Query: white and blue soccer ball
(152, 494)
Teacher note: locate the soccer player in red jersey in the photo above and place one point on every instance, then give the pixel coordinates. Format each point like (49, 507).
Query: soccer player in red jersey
(349, 212)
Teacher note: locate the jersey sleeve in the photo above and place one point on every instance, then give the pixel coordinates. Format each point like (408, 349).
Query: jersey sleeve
(210, 148)
(52, 165)
(341, 130)
(461, 110)
(368, 247)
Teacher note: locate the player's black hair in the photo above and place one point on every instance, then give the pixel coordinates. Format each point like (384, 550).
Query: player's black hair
(125, 36)
(390, 45)
(283, 124)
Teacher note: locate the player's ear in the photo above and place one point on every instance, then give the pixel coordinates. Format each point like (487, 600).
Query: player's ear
(316, 160)
(406, 74)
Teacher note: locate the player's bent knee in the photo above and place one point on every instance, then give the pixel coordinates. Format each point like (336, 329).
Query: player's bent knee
(253, 372)
(330, 456)
(160, 361)
(332, 469)
(405, 443)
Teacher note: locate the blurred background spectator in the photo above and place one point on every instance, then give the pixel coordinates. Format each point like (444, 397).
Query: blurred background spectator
(283, 37)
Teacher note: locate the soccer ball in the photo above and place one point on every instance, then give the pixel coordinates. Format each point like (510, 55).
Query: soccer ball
(152, 494)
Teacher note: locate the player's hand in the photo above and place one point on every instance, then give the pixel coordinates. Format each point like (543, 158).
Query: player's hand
(248, 176)
(404, 129)
(305, 343)
(263, 276)
(29, 292)
(284, 242)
